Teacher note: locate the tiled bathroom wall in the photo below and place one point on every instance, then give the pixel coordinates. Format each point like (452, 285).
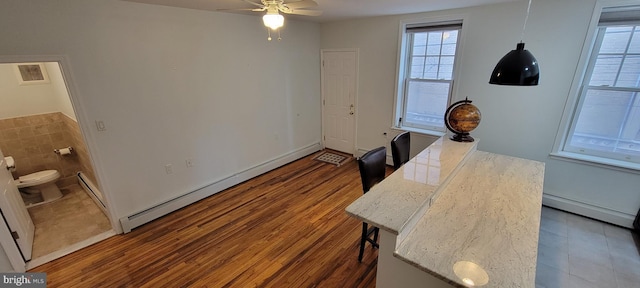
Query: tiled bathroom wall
(80, 149)
(31, 140)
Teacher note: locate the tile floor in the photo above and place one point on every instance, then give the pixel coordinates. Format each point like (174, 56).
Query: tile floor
(575, 251)
(67, 221)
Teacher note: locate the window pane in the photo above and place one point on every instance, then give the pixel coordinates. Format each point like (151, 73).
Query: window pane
(417, 67)
(605, 70)
(635, 41)
(630, 73)
(419, 50)
(608, 121)
(631, 129)
(602, 113)
(449, 39)
(446, 68)
(616, 39)
(449, 49)
(420, 39)
(427, 102)
(431, 68)
(419, 46)
(433, 46)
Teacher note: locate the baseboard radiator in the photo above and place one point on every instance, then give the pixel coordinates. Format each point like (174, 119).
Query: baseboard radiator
(205, 191)
(92, 191)
(588, 210)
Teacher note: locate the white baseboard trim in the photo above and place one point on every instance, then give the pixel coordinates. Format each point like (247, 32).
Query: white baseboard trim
(198, 194)
(598, 213)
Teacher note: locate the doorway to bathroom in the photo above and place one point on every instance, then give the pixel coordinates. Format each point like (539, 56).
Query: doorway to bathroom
(40, 133)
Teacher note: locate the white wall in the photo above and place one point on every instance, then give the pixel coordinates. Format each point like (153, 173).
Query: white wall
(517, 121)
(172, 84)
(60, 89)
(22, 100)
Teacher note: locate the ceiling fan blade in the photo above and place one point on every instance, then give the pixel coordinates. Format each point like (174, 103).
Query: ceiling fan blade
(240, 9)
(306, 12)
(254, 3)
(301, 4)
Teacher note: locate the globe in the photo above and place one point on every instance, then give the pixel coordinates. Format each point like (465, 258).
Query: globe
(461, 118)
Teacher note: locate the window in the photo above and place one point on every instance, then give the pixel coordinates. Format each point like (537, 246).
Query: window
(606, 119)
(426, 74)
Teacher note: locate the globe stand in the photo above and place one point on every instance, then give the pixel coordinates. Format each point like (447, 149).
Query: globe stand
(462, 137)
(461, 118)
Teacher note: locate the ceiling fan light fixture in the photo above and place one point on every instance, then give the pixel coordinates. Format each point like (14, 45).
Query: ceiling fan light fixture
(273, 19)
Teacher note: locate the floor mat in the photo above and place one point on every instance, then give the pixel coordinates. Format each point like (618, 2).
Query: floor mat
(332, 158)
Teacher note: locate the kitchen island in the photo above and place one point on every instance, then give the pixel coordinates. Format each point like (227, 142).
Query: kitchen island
(456, 217)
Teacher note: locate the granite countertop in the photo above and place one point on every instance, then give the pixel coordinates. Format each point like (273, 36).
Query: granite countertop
(467, 217)
(392, 203)
(483, 228)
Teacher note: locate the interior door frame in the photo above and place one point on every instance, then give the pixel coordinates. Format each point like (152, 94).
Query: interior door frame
(82, 118)
(355, 96)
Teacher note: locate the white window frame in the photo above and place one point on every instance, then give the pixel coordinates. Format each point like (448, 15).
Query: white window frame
(402, 70)
(575, 97)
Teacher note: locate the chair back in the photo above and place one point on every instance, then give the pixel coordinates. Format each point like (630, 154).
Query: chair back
(372, 167)
(400, 146)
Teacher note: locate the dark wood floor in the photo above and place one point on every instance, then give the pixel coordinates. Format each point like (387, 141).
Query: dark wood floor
(286, 228)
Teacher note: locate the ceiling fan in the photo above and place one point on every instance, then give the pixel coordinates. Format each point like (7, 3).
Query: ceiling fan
(273, 19)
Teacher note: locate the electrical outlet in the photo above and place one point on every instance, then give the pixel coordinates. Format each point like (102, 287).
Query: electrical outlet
(168, 168)
(189, 162)
(100, 125)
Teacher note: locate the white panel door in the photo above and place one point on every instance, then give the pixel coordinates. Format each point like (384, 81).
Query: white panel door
(339, 76)
(15, 212)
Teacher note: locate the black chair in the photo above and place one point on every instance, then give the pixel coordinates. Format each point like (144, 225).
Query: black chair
(372, 170)
(636, 223)
(400, 149)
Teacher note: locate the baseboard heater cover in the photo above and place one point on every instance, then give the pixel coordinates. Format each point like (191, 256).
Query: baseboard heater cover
(205, 191)
(588, 210)
(92, 190)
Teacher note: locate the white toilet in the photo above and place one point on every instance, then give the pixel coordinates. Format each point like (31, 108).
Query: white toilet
(37, 188)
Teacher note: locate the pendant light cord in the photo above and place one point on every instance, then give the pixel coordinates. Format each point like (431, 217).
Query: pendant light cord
(525, 22)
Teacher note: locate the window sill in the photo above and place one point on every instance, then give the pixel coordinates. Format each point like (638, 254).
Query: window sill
(597, 161)
(419, 131)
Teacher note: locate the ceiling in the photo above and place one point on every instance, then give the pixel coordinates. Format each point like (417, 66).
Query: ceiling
(335, 9)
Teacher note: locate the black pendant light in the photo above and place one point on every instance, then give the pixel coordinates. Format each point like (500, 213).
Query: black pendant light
(518, 67)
